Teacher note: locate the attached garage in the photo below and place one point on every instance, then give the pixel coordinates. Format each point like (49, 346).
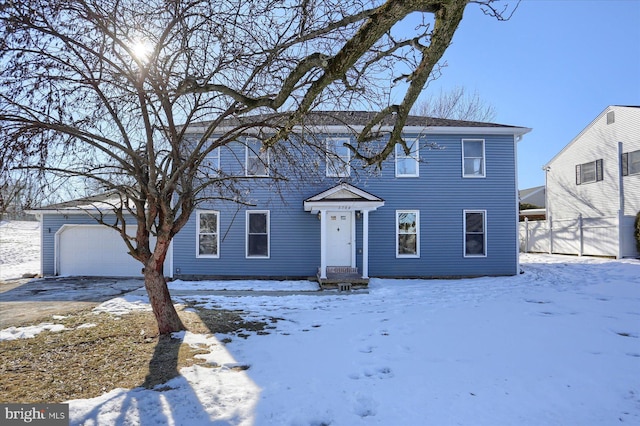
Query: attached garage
(93, 250)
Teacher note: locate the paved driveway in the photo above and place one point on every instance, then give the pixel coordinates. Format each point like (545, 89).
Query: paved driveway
(29, 301)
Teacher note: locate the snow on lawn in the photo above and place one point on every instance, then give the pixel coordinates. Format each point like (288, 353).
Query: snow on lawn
(557, 345)
(19, 249)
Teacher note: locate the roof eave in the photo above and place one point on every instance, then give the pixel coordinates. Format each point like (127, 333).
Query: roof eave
(459, 130)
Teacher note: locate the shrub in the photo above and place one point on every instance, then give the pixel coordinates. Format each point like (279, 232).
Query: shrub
(636, 232)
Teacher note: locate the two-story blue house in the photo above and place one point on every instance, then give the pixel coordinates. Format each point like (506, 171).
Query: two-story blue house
(448, 208)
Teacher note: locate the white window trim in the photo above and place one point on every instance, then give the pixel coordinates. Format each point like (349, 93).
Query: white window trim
(213, 156)
(246, 252)
(330, 158)
(464, 233)
(208, 256)
(484, 160)
(397, 233)
(414, 154)
(251, 153)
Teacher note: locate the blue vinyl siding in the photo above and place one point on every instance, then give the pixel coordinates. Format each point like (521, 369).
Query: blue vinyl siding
(440, 193)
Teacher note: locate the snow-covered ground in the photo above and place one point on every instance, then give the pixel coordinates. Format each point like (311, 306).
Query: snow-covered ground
(19, 249)
(557, 345)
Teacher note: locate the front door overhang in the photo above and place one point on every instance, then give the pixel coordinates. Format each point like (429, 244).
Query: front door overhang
(343, 198)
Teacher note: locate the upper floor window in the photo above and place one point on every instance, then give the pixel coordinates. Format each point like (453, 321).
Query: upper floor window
(207, 233)
(258, 234)
(407, 233)
(631, 163)
(473, 158)
(407, 164)
(475, 230)
(257, 159)
(338, 157)
(589, 172)
(210, 167)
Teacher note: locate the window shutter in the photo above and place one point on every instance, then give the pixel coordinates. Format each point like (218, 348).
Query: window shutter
(599, 174)
(578, 174)
(625, 164)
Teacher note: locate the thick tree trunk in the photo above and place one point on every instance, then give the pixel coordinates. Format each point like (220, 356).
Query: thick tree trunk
(166, 315)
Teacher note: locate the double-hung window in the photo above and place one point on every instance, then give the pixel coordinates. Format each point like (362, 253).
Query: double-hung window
(475, 233)
(338, 157)
(407, 233)
(257, 159)
(407, 163)
(210, 167)
(207, 230)
(258, 234)
(473, 163)
(631, 163)
(589, 172)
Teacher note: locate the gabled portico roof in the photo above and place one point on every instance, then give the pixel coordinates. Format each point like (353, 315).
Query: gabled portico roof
(343, 197)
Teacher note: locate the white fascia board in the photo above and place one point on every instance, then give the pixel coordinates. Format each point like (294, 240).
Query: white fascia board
(70, 211)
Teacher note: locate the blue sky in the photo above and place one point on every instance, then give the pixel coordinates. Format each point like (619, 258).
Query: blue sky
(553, 67)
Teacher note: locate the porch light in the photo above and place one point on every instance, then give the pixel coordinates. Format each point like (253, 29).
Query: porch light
(358, 214)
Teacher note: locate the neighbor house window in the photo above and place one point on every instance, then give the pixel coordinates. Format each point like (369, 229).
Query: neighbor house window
(207, 233)
(407, 164)
(475, 233)
(407, 233)
(257, 234)
(257, 159)
(589, 172)
(473, 158)
(631, 163)
(338, 157)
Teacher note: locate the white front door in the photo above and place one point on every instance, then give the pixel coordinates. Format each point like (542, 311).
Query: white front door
(339, 238)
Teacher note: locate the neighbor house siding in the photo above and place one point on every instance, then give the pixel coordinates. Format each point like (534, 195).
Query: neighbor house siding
(599, 140)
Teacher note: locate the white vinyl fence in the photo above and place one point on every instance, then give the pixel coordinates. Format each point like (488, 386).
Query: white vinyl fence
(592, 236)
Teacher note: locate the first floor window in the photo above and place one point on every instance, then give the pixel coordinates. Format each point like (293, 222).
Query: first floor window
(407, 164)
(631, 163)
(258, 234)
(475, 225)
(407, 237)
(589, 172)
(207, 233)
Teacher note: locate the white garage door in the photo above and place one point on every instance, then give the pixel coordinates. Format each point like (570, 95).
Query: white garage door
(94, 250)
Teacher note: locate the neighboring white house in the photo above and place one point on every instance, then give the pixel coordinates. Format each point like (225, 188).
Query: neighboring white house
(593, 190)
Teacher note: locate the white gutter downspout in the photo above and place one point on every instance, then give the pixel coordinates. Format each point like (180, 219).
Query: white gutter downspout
(516, 139)
(620, 203)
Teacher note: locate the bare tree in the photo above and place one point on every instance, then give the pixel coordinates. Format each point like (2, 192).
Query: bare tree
(457, 104)
(104, 90)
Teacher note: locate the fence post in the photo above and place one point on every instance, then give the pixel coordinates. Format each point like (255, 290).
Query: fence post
(580, 236)
(526, 235)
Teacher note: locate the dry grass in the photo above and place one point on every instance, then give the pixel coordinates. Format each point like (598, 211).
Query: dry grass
(119, 352)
